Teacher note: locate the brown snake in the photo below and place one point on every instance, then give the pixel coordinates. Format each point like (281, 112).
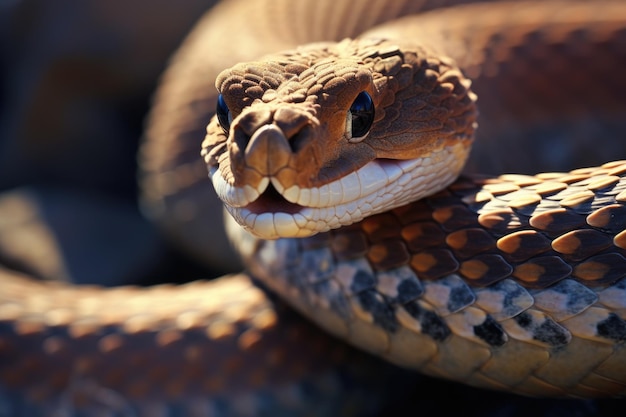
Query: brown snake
(511, 283)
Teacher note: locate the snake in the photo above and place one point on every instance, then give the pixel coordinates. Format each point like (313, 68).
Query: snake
(344, 163)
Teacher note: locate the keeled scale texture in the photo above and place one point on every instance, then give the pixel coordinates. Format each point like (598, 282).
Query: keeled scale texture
(514, 282)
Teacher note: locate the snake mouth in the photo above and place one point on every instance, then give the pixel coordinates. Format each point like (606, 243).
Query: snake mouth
(271, 201)
(271, 211)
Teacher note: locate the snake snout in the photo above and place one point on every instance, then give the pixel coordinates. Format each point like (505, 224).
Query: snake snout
(267, 139)
(268, 151)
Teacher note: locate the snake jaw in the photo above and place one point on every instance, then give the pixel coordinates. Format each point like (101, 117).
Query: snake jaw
(272, 211)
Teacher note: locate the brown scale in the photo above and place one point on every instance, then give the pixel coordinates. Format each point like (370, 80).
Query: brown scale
(601, 269)
(498, 188)
(350, 244)
(501, 222)
(388, 254)
(434, 264)
(620, 240)
(526, 205)
(521, 180)
(547, 188)
(556, 221)
(603, 182)
(412, 213)
(385, 226)
(580, 244)
(454, 217)
(486, 269)
(578, 201)
(469, 242)
(524, 244)
(611, 218)
(542, 271)
(421, 235)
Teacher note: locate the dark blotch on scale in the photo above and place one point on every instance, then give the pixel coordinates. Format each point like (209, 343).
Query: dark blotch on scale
(409, 290)
(547, 331)
(491, 332)
(362, 281)
(381, 310)
(613, 328)
(551, 333)
(431, 323)
(460, 297)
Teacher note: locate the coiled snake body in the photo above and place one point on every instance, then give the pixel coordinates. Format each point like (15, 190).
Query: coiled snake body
(511, 283)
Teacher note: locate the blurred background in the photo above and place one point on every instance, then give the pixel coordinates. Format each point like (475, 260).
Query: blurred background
(76, 81)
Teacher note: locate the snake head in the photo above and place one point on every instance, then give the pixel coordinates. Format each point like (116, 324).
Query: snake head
(320, 137)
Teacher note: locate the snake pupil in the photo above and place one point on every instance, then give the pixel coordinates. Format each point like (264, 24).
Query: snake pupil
(362, 111)
(223, 114)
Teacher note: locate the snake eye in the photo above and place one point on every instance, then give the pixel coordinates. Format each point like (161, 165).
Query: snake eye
(361, 116)
(223, 114)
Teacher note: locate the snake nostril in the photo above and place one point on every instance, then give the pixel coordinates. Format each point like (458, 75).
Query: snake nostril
(241, 140)
(248, 125)
(295, 124)
(298, 140)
